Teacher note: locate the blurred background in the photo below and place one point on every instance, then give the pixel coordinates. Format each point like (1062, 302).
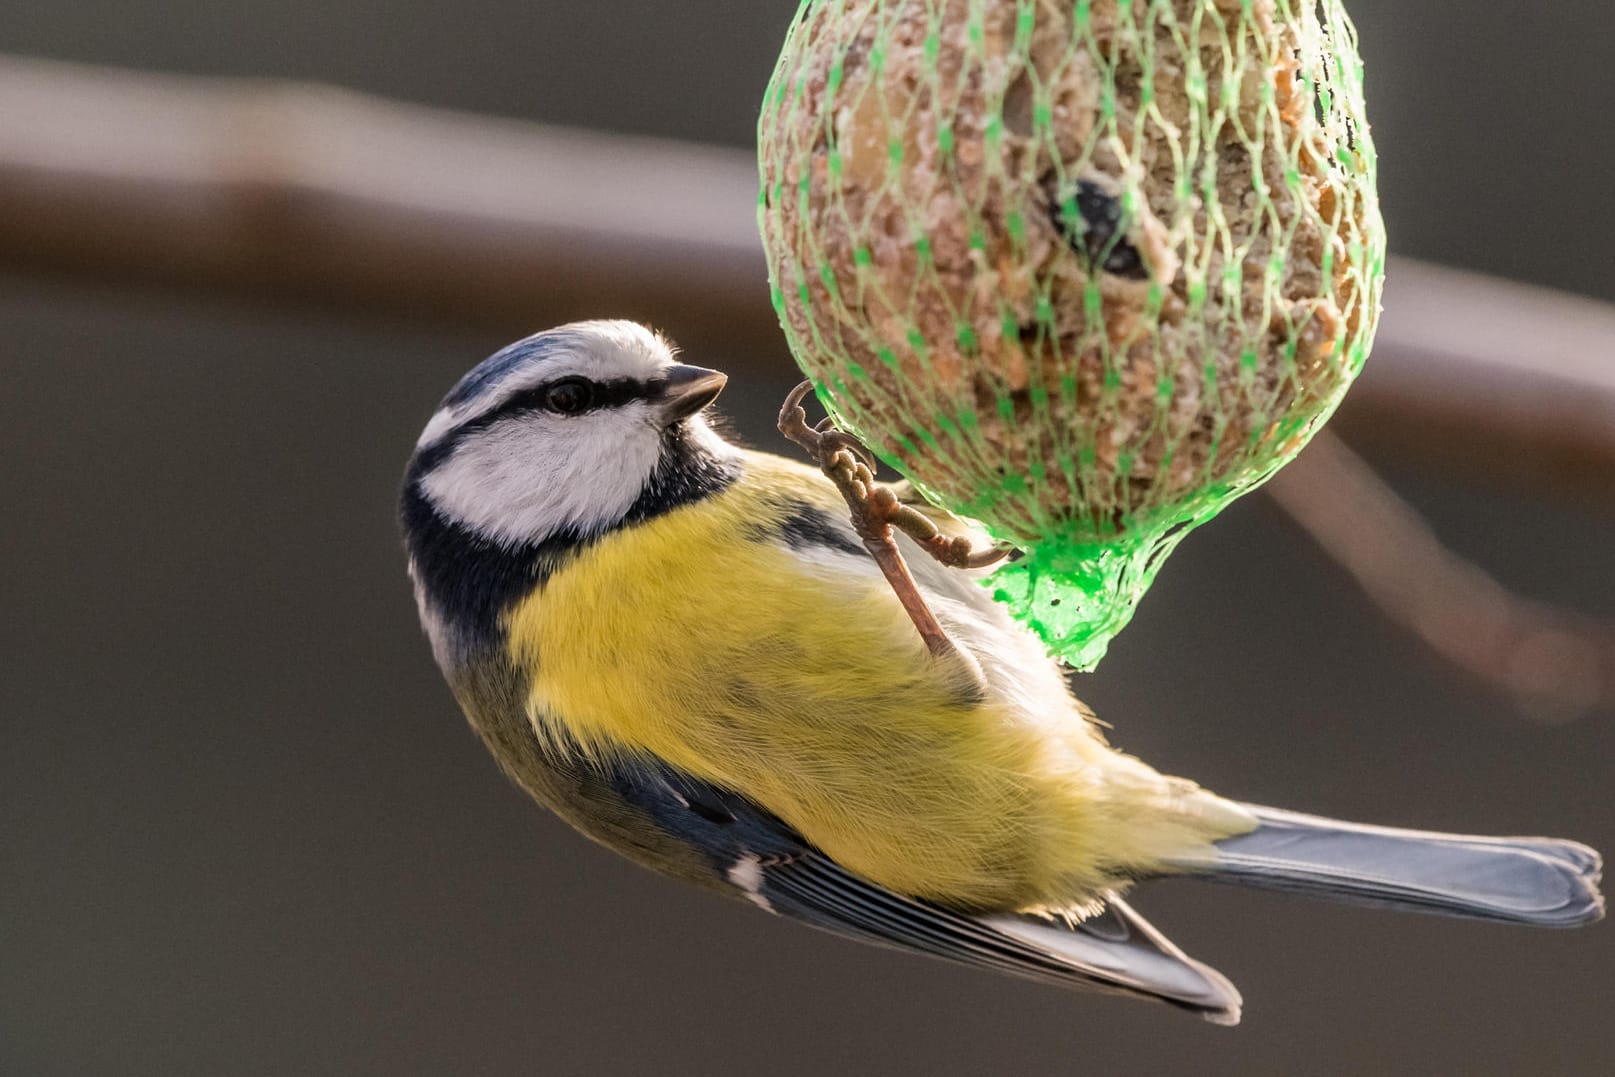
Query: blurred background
(243, 829)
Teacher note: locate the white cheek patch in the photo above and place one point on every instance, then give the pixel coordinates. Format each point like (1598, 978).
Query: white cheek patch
(442, 421)
(527, 478)
(701, 436)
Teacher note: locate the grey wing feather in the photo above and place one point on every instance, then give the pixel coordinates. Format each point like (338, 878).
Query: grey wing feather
(766, 862)
(1115, 952)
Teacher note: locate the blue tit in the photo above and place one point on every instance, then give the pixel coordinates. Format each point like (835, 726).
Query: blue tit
(682, 648)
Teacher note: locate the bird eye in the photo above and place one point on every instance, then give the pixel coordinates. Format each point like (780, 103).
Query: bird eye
(569, 396)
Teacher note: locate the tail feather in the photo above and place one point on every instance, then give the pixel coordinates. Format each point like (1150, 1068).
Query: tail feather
(1539, 881)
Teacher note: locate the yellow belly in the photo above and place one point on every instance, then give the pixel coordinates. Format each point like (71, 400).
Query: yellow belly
(697, 639)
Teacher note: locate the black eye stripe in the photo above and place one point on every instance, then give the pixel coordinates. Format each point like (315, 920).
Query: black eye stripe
(604, 394)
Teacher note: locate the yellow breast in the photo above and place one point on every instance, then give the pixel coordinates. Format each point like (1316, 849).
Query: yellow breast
(794, 677)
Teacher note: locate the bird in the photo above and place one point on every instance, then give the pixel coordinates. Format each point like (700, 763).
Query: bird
(681, 647)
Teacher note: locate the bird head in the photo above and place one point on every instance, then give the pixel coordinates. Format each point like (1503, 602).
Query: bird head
(567, 434)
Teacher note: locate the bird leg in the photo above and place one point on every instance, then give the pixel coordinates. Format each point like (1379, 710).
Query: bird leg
(875, 510)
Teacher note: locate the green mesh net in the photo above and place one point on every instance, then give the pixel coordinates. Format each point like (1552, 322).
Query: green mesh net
(1084, 271)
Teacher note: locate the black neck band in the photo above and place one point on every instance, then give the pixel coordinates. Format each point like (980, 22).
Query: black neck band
(471, 580)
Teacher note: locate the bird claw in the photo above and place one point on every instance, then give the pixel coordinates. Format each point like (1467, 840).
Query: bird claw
(841, 441)
(875, 510)
(793, 421)
(850, 464)
(958, 552)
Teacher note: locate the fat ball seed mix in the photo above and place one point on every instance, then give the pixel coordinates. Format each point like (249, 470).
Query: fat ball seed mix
(1084, 271)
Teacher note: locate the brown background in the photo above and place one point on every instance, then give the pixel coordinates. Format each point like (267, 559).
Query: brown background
(243, 831)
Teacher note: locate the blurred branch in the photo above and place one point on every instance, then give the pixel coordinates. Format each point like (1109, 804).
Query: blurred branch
(319, 194)
(1555, 662)
(1497, 378)
(322, 195)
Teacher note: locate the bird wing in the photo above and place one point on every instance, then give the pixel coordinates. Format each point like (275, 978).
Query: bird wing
(764, 861)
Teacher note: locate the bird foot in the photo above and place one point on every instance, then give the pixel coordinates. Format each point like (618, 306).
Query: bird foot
(875, 510)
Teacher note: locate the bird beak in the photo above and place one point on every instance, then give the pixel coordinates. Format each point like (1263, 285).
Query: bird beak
(688, 389)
